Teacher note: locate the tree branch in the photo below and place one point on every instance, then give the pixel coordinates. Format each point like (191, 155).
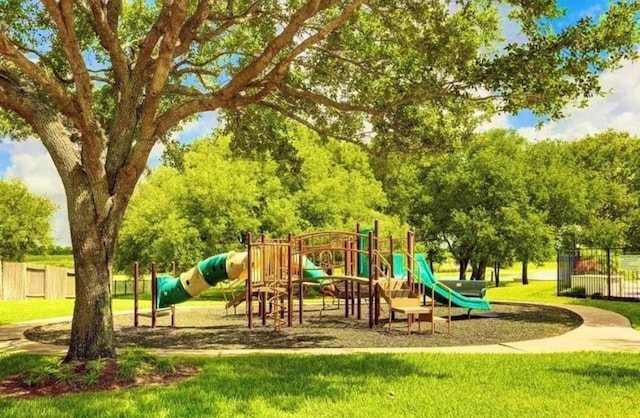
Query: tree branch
(192, 24)
(323, 100)
(308, 124)
(278, 72)
(341, 57)
(62, 14)
(231, 20)
(42, 58)
(105, 24)
(45, 123)
(310, 9)
(149, 44)
(53, 88)
(162, 69)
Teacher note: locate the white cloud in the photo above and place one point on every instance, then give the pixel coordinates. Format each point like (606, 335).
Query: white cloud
(619, 110)
(511, 29)
(498, 121)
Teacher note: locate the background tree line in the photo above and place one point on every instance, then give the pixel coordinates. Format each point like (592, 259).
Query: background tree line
(493, 199)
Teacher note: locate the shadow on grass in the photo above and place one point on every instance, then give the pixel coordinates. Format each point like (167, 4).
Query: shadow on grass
(230, 386)
(603, 374)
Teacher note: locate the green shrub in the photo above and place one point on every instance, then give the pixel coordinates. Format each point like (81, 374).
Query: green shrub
(136, 362)
(92, 371)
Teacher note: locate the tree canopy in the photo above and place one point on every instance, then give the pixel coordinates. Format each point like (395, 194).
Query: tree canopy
(101, 82)
(217, 196)
(25, 221)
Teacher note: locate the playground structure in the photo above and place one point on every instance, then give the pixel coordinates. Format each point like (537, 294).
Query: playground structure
(351, 266)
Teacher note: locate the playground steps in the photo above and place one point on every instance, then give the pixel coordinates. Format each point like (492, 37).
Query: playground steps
(402, 299)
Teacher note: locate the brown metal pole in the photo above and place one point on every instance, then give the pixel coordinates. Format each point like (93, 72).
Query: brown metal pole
(248, 298)
(346, 282)
(174, 270)
(154, 292)
(289, 282)
(371, 296)
(410, 258)
(376, 301)
(300, 287)
(263, 296)
(391, 263)
(136, 275)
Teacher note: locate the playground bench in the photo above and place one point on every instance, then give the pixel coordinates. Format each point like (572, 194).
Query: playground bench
(471, 288)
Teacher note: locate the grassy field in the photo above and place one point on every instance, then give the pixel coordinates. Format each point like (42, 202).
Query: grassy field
(12, 311)
(425, 385)
(51, 260)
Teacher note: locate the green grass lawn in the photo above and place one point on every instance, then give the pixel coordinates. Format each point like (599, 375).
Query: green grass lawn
(12, 311)
(545, 291)
(425, 385)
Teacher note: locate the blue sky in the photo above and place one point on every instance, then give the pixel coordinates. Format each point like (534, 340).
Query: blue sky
(575, 10)
(29, 162)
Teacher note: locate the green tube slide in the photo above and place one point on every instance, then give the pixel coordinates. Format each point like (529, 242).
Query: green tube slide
(213, 270)
(207, 273)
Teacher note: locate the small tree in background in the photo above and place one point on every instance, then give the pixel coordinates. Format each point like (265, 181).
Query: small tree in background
(25, 221)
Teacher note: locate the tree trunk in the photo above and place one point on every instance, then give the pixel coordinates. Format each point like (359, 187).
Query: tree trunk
(496, 273)
(464, 263)
(479, 270)
(525, 272)
(92, 333)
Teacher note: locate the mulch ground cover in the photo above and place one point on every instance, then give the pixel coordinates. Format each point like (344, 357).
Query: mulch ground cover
(212, 328)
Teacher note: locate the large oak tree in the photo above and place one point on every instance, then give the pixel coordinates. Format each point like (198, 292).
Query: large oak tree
(99, 82)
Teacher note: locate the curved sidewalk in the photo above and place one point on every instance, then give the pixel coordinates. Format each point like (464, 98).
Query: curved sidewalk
(601, 331)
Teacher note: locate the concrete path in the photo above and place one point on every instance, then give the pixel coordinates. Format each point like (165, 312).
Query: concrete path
(601, 331)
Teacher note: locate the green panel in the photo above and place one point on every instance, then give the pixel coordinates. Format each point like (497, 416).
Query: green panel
(363, 258)
(170, 291)
(399, 268)
(214, 269)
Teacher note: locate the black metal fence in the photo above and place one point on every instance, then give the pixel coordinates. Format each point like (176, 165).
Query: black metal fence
(599, 273)
(125, 287)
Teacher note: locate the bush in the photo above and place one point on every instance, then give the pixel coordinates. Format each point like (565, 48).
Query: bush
(588, 267)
